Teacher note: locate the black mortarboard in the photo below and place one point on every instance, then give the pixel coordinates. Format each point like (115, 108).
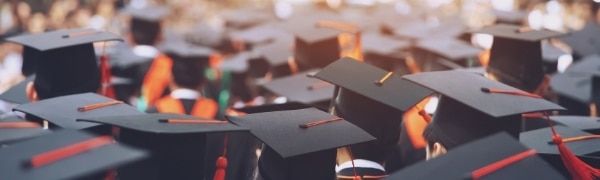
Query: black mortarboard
(372, 99)
(550, 57)
(584, 123)
(584, 42)
(291, 151)
(17, 94)
(472, 106)
(260, 34)
(189, 64)
(14, 129)
(60, 51)
(274, 58)
(246, 17)
(178, 148)
(516, 55)
(65, 110)
(303, 89)
(145, 24)
(580, 82)
(463, 161)
(272, 107)
(510, 17)
(447, 28)
(542, 141)
(316, 47)
(383, 51)
(237, 67)
(93, 155)
(449, 48)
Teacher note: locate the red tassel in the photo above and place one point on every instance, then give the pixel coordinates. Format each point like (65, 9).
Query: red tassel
(107, 89)
(578, 169)
(222, 162)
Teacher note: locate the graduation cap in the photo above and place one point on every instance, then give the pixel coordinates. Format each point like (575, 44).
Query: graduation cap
(242, 18)
(291, 151)
(275, 58)
(17, 94)
(584, 123)
(65, 154)
(472, 106)
(510, 17)
(145, 24)
(303, 89)
(580, 143)
(372, 99)
(272, 107)
(449, 48)
(584, 42)
(516, 55)
(383, 51)
(446, 28)
(550, 56)
(238, 67)
(498, 156)
(65, 110)
(14, 129)
(261, 34)
(579, 82)
(177, 143)
(316, 47)
(57, 52)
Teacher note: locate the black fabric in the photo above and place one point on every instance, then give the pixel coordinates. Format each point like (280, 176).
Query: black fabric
(316, 165)
(404, 154)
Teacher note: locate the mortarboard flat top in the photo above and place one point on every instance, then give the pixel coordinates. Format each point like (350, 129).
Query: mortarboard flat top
(12, 135)
(513, 17)
(260, 34)
(477, 70)
(316, 34)
(380, 44)
(150, 123)
(245, 17)
(122, 57)
(280, 130)
(574, 86)
(466, 88)
(276, 53)
(16, 94)
(589, 65)
(63, 38)
(514, 32)
(584, 123)
(360, 78)
(237, 63)
(86, 163)
(541, 139)
(460, 162)
(186, 50)
(585, 41)
(301, 88)
(551, 53)
(272, 107)
(449, 48)
(63, 111)
(148, 13)
(452, 27)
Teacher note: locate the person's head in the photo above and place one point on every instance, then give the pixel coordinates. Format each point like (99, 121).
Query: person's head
(66, 66)
(472, 107)
(189, 65)
(145, 27)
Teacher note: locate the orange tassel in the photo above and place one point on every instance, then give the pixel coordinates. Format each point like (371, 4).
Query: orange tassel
(222, 162)
(107, 89)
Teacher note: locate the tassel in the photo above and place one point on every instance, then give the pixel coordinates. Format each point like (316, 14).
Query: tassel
(107, 89)
(578, 169)
(222, 161)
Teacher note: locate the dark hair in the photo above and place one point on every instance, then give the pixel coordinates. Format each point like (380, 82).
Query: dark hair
(188, 72)
(431, 137)
(144, 32)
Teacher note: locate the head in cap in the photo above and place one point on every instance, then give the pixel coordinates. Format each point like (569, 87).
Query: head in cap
(472, 106)
(145, 24)
(374, 101)
(516, 57)
(189, 64)
(290, 150)
(65, 61)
